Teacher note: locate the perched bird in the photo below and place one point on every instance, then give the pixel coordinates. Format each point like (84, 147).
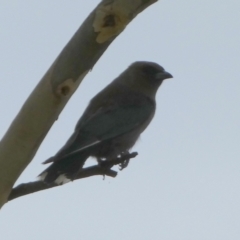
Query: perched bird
(112, 122)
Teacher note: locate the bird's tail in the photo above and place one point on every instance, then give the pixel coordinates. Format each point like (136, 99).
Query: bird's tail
(63, 170)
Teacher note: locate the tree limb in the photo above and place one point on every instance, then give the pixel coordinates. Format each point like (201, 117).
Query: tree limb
(102, 169)
(43, 106)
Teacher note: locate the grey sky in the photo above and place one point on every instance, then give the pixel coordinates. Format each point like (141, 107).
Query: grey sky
(184, 185)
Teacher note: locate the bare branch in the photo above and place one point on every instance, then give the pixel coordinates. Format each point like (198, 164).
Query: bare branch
(102, 169)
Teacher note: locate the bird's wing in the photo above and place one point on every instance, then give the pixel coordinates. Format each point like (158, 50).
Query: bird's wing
(113, 123)
(107, 124)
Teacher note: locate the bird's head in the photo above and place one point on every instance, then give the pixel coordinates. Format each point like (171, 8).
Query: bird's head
(145, 77)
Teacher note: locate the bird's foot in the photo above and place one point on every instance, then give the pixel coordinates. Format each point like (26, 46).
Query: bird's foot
(125, 159)
(122, 160)
(124, 164)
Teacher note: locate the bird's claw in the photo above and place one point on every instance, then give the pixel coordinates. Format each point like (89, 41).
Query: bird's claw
(122, 161)
(124, 164)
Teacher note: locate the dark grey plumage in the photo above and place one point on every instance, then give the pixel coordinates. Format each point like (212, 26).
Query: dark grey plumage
(112, 122)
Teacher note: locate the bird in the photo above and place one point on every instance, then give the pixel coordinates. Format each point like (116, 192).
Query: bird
(111, 123)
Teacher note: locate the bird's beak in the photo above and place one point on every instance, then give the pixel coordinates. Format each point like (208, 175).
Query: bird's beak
(164, 75)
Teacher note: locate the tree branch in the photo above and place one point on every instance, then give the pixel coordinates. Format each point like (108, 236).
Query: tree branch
(43, 106)
(101, 169)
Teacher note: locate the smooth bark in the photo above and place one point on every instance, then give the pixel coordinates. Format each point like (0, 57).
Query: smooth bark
(43, 106)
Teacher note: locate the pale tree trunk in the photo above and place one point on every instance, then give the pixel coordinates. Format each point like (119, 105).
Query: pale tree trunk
(43, 106)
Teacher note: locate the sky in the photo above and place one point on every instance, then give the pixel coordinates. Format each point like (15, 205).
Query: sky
(185, 182)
